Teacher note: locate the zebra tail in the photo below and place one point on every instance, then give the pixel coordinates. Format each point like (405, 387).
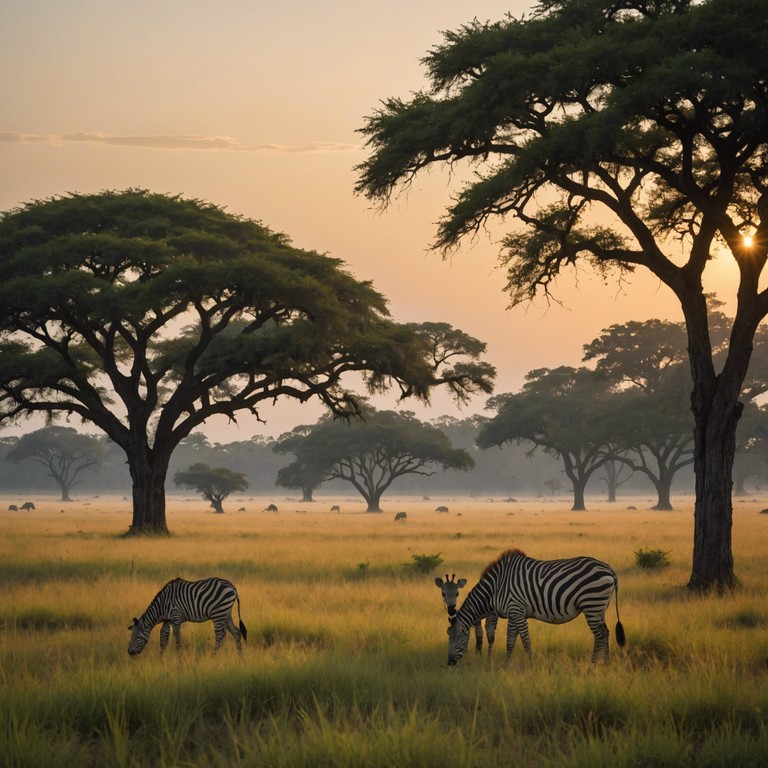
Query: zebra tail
(621, 637)
(243, 630)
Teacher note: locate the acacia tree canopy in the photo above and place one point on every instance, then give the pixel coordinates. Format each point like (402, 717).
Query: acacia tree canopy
(373, 453)
(148, 314)
(621, 135)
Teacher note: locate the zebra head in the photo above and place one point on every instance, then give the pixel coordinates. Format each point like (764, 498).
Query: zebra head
(458, 639)
(139, 637)
(450, 591)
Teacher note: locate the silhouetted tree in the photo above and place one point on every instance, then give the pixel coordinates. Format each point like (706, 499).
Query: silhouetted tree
(214, 484)
(63, 451)
(561, 411)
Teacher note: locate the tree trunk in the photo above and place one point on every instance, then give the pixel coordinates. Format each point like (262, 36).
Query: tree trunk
(373, 500)
(715, 447)
(148, 474)
(578, 496)
(663, 490)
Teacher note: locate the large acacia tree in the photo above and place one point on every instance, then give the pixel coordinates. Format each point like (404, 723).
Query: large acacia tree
(622, 134)
(372, 453)
(148, 314)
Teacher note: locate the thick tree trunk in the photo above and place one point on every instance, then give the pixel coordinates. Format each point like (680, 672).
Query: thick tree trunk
(715, 447)
(578, 496)
(663, 490)
(148, 475)
(374, 501)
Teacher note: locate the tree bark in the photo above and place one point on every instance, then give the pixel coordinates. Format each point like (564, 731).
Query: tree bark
(578, 496)
(715, 447)
(148, 474)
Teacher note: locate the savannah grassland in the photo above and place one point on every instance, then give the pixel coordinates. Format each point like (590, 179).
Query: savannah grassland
(345, 663)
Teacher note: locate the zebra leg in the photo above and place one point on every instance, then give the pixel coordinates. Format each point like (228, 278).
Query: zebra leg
(513, 630)
(490, 630)
(235, 632)
(177, 634)
(600, 631)
(165, 632)
(479, 636)
(220, 629)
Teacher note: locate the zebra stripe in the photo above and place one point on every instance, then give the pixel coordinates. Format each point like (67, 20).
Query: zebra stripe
(518, 588)
(179, 601)
(449, 589)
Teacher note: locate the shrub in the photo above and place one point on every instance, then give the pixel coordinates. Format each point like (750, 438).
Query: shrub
(425, 563)
(651, 559)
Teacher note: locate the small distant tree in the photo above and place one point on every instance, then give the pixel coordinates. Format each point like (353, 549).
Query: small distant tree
(63, 451)
(214, 484)
(373, 453)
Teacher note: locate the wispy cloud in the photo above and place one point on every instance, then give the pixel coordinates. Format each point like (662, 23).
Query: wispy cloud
(189, 142)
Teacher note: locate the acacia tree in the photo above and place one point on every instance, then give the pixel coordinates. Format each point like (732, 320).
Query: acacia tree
(63, 451)
(652, 424)
(563, 412)
(148, 314)
(371, 454)
(214, 484)
(621, 134)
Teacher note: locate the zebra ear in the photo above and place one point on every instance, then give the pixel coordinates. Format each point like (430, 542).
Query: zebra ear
(461, 582)
(438, 582)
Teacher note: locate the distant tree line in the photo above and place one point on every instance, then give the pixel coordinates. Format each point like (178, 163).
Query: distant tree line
(624, 423)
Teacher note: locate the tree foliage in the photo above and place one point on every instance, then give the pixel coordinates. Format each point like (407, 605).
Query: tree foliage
(149, 314)
(371, 454)
(617, 134)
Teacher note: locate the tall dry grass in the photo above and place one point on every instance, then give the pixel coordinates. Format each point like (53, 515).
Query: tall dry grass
(345, 663)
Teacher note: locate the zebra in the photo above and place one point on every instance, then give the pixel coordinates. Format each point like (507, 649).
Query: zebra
(179, 601)
(517, 587)
(449, 589)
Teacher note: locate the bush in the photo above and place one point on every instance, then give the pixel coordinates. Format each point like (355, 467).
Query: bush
(651, 559)
(425, 563)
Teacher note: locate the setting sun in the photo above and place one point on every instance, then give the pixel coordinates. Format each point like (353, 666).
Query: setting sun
(747, 240)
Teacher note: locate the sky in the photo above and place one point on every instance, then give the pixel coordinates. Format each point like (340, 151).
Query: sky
(255, 106)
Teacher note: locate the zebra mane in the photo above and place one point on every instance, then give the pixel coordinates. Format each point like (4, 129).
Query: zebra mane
(506, 553)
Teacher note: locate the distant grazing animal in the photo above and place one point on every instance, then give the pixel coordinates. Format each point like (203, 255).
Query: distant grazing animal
(242, 509)
(449, 589)
(13, 508)
(335, 508)
(518, 588)
(442, 509)
(401, 517)
(271, 508)
(27, 505)
(179, 601)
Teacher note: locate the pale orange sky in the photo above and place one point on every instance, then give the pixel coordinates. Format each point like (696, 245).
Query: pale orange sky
(254, 106)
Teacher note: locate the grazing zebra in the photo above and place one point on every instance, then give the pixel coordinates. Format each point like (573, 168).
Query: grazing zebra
(179, 601)
(449, 589)
(518, 588)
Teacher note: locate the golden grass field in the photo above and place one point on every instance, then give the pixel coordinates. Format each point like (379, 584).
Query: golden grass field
(345, 663)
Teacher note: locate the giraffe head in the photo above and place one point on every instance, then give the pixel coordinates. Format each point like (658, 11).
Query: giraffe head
(450, 591)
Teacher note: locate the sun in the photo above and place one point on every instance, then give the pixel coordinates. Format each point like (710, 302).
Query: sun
(748, 240)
